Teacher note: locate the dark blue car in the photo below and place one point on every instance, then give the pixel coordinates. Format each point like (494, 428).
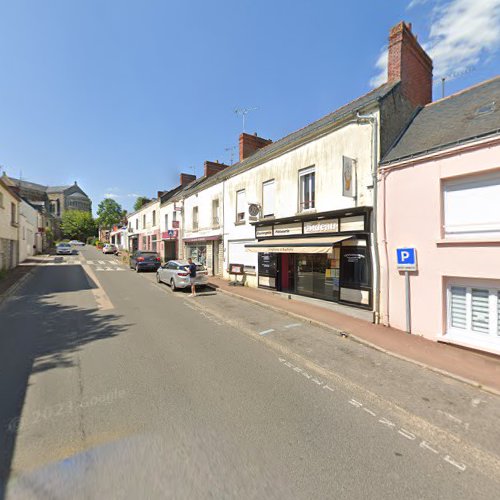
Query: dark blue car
(142, 260)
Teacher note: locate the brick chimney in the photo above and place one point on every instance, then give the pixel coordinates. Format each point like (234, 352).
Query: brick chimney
(212, 167)
(187, 179)
(249, 144)
(409, 63)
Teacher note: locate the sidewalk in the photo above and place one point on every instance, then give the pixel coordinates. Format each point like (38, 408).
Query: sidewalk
(481, 370)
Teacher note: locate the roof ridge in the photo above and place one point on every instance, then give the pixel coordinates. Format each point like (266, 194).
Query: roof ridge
(463, 91)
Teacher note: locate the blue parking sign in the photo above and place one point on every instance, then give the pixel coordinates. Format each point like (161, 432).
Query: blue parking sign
(407, 258)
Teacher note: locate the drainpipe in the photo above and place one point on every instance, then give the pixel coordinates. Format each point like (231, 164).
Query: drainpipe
(372, 119)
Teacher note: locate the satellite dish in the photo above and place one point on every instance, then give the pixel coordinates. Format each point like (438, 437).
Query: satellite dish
(253, 209)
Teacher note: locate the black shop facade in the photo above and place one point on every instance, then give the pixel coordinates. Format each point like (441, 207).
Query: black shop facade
(324, 255)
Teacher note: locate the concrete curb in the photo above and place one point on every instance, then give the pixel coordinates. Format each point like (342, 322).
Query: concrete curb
(367, 343)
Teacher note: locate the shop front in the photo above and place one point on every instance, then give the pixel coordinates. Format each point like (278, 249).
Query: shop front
(206, 251)
(170, 244)
(325, 256)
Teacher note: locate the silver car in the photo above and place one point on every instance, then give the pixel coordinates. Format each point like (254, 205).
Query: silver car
(64, 249)
(176, 274)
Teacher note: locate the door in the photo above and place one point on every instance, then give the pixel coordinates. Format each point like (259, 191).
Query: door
(215, 259)
(287, 272)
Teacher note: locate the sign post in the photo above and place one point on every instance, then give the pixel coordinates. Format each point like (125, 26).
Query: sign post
(407, 261)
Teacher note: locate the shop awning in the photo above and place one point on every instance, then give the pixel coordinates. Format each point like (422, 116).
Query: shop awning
(296, 245)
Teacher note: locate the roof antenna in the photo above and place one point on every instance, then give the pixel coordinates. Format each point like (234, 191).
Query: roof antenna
(231, 148)
(452, 76)
(243, 112)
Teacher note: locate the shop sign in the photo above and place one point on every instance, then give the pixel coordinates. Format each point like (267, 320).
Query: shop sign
(348, 177)
(356, 223)
(175, 224)
(287, 229)
(171, 233)
(263, 231)
(321, 226)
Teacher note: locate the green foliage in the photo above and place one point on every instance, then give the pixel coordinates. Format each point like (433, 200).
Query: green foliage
(109, 213)
(141, 200)
(78, 225)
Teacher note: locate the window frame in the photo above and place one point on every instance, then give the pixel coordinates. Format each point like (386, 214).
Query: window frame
(195, 220)
(302, 174)
(268, 183)
(242, 220)
(493, 333)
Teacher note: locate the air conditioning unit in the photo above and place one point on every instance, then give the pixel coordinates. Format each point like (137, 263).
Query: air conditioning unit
(254, 210)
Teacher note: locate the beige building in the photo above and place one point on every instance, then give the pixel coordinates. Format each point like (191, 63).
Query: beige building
(9, 227)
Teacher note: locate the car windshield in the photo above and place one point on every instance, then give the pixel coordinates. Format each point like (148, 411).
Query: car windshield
(185, 265)
(63, 245)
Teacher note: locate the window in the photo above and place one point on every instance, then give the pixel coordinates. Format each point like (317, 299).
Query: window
(143, 221)
(240, 206)
(166, 222)
(13, 215)
(153, 243)
(130, 227)
(144, 243)
(471, 207)
(195, 218)
(154, 217)
(1, 200)
(215, 213)
(137, 223)
(268, 198)
(307, 189)
(174, 215)
(474, 310)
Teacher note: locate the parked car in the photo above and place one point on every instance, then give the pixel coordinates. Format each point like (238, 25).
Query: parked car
(108, 248)
(176, 274)
(64, 249)
(142, 260)
(77, 243)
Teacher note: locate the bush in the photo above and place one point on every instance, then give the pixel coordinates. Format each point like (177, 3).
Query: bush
(91, 240)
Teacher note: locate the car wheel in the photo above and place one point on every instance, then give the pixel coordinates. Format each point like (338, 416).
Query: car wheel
(172, 285)
(158, 280)
(137, 268)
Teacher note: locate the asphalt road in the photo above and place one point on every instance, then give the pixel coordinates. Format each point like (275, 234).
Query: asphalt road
(113, 387)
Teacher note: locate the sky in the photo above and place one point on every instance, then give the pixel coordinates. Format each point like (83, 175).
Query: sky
(122, 96)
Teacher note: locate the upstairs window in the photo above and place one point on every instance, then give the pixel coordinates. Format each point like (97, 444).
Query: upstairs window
(307, 189)
(195, 218)
(154, 217)
(144, 221)
(166, 222)
(268, 198)
(472, 207)
(215, 213)
(13, 214)
(137, 223)
(240, 206)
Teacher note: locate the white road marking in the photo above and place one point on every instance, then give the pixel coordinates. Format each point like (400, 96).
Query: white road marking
(281, 360)
(306, 375)
(265, 332)
(316, 381)
(292, 325)
(90, 262)
(426, 446)
(459, 466)
(373, 414)
(297, 369)
(407, 434)
(328, 387)
(355, 403)
(99, 269)
(108, 269)
(101, 262)
(288, 364)
(384, 421)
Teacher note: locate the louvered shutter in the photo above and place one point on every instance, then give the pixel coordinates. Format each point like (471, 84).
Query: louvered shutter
(458, 307)
(480, 321)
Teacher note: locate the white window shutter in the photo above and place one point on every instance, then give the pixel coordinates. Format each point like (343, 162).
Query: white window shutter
(458, 307)
(480, 310)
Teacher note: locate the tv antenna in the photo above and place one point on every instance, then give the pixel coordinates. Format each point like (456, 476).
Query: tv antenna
(193, 169)
(243, 112)
(231, 149)
(452, 76)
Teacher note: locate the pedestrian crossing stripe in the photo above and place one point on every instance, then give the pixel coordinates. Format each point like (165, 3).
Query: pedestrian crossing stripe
(109, 269)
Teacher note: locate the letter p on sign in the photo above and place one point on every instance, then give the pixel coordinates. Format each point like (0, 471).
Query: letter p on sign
(407, 259)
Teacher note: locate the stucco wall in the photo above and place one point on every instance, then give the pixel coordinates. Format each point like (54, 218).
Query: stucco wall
(413, 217)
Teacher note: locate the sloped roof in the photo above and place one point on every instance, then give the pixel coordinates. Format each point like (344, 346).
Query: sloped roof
(309, 131)
(469, 114)
(57, 189)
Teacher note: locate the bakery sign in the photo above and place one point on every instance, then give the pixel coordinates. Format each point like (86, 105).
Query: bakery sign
(287, 229)
(263, 231)
(321, 226)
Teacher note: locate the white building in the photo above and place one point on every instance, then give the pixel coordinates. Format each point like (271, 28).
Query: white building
(29, 238)
(297, 214)
(9, 227)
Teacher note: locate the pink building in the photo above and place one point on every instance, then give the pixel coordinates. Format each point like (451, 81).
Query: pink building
(440, 194)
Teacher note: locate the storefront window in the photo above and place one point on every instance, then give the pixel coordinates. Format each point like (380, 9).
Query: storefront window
(198, 254)
(355, 266)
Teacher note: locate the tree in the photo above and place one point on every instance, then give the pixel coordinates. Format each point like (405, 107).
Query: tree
(78, 225)
(109, 213)
(141, 200)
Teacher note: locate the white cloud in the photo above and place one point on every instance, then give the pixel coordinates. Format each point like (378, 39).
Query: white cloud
(111, 195)
(415, 3)
(463, 33)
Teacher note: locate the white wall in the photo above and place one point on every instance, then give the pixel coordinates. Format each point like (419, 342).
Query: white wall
(325, 153)
(28, 227)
